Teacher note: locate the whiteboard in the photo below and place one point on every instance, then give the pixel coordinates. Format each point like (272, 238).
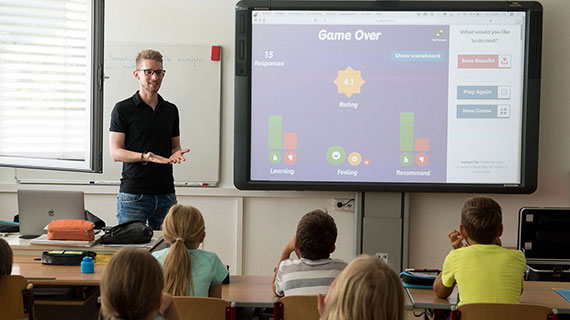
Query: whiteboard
(192, 82)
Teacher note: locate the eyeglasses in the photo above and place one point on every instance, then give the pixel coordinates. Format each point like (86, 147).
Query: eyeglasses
(150, 72)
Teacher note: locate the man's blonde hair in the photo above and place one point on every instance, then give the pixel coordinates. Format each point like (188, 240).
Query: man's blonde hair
(367, 289)
(148, 54)
(183, 228)
(131, 286)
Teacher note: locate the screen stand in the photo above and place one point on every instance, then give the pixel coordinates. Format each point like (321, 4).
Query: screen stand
(385, 228)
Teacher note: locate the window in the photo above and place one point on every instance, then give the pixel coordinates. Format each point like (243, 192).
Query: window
(51, 54)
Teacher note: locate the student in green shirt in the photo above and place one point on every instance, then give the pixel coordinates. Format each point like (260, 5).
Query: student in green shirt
(482, 269)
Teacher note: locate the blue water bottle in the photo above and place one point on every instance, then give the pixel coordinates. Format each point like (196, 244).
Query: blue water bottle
(87, 265)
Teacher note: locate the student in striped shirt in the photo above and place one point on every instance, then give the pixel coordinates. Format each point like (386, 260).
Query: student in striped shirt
(314, 271)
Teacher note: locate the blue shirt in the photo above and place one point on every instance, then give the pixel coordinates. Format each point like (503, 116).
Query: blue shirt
(207, 270)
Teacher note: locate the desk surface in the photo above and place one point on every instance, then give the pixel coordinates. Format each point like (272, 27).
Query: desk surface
(535, 292)
(23, 247)
(245, 291)
(249, 291)
(44, 274)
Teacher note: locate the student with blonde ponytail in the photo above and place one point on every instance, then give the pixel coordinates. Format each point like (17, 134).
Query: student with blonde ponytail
(189, 271)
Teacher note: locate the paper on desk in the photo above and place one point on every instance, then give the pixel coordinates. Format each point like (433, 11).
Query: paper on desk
(565, 293)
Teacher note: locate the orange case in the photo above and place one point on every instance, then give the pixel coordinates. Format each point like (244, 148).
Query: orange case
(71, 229)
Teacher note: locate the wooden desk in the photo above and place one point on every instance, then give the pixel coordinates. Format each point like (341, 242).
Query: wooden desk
(249, 291)
(245, 291)
(44, 274)
(535, 292)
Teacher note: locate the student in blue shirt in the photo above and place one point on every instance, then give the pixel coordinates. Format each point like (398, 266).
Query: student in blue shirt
(189, 271)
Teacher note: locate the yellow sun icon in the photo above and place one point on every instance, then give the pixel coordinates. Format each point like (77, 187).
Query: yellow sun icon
(348, 81)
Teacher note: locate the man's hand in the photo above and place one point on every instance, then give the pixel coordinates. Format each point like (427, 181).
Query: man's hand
(151, 157)
(456, 239)
(178, 156)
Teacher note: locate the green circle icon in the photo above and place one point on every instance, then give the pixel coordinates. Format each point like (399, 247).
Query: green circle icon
(406, 159)
(336, 155)
(275, 157)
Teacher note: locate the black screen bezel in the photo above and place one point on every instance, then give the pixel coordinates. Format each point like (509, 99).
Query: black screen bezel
(530, 110)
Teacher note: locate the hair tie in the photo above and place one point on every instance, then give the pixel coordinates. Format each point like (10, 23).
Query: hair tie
(179, 239)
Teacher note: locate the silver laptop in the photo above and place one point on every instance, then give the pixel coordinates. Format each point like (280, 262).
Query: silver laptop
(37, 208)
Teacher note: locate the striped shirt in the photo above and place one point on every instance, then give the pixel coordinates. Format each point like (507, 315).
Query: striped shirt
(304, 276)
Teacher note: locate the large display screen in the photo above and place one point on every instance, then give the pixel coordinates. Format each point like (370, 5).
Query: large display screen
(415, 98)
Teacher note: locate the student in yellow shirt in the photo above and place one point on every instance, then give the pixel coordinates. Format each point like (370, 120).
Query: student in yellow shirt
(483, 270)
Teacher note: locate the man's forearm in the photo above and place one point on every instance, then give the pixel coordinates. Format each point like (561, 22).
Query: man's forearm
(124, 155)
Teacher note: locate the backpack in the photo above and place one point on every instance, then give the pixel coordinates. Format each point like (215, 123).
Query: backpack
(130, 232)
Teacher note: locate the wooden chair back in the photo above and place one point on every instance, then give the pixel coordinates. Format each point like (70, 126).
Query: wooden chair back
(203, 308)
(301, 307)
(503, 311)
(16, 298)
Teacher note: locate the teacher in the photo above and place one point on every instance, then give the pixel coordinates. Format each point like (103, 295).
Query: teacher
(145, 136)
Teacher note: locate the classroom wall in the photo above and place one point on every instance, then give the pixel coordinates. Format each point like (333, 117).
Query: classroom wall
(249, 229)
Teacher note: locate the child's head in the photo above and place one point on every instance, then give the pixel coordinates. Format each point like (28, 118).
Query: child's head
(5, 258)
(367, 289)
(316, 235)
(131, 286)
(482, 219)
(184, 229)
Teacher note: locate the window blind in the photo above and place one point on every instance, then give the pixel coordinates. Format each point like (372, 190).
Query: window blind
(46, 82)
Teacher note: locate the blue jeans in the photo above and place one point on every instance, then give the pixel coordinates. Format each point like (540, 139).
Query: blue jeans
(149, 208)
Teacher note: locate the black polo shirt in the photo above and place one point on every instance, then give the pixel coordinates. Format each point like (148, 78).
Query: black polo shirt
(146, 130)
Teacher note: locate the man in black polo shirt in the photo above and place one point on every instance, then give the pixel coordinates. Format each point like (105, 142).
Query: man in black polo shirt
(145, 136)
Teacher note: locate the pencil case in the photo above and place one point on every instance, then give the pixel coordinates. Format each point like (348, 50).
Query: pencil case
(71, 229)
(65, 257)
(420, 280)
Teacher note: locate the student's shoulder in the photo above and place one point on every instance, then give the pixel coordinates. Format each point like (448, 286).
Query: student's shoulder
(325, 263)
(341, 264)
(515, 254)
(203, 254)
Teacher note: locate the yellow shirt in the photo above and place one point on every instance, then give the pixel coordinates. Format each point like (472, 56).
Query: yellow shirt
(485, 273)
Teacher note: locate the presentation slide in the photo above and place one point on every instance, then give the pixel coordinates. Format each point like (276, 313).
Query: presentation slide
(386, 97)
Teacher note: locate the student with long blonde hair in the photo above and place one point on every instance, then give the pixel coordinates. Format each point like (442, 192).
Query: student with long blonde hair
(131, 288)
(367, 289)
(189, 271)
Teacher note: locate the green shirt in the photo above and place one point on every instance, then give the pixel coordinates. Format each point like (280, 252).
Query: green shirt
(485, 273)
(207, 269)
